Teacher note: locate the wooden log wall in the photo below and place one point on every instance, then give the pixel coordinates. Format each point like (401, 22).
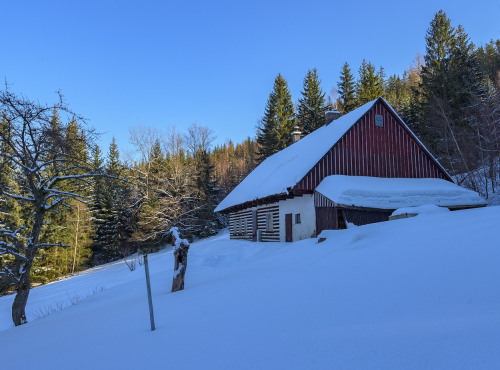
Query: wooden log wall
(363, 217)
(367, 150)
(273, 236)
(240, 225)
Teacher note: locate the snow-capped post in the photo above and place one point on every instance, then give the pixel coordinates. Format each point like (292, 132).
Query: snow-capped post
(150, 298)
(181, 248)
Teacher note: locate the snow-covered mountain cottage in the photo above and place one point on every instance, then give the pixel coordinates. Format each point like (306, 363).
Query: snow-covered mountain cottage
(358, 169)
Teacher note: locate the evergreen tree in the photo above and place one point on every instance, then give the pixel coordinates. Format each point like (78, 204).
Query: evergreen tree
(11, 212)
(370, 85)
(206, 221)
(398, 93)
(440, 41)
(275, 130)
(117, 193)
(98, 207)
(451, 84)
(110, 208)
(489, 60)
(347, 90)
(52, 263)
(312, 107)
(266, 132)
(382, 77)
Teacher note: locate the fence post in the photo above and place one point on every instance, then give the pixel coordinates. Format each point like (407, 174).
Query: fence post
(150, 298)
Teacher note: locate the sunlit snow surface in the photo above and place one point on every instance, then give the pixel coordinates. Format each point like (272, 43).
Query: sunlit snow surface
(393, 193)
(417, 293)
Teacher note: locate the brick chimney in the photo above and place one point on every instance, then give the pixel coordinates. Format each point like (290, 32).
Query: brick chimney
(296, 134)
(331, 115)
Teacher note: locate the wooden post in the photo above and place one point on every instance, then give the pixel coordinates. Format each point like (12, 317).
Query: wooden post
(150, 298)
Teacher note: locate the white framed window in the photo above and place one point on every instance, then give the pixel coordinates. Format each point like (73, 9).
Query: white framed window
(297, 218)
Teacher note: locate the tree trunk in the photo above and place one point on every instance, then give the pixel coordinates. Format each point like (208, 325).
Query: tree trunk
(19, 305)
(180, 267)
(76, 235)
(24, 285)
(181, 248)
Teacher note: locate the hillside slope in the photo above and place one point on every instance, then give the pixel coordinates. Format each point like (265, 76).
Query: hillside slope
(420, 293)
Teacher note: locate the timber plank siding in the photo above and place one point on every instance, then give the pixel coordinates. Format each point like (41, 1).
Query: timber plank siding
(360, 217)
(262, 212)
(244, 224)
(366, 150)
(241, 225)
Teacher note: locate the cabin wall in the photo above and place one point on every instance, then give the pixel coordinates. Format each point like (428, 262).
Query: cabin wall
(262, 212)
(366, 150)
(360, 217)
(303, 205)
(241, 225)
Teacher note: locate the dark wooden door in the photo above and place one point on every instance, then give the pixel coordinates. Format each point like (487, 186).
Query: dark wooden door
(326, 219)
(288, 227)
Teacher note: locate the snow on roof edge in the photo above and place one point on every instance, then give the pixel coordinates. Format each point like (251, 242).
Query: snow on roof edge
(271, 166)
(394, 193)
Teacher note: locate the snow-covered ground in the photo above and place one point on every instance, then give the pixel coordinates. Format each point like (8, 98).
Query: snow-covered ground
(417, 293)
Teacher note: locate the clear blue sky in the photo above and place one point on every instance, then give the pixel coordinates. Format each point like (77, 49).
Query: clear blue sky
(159, 63)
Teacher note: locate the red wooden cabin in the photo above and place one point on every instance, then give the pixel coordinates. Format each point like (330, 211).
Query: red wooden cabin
(276, 201)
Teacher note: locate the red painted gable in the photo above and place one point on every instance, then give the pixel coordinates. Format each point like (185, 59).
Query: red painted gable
(367, 150)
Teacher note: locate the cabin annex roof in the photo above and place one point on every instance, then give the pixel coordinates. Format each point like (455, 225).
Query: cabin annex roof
(394, 193)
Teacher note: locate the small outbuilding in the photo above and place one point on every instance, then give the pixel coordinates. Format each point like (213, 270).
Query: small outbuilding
(362, 200)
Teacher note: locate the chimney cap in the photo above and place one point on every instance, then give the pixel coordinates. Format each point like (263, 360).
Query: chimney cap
(296, 134)
(331, 115)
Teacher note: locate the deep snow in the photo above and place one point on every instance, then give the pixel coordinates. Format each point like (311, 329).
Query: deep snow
(417, 293)
(393, 193)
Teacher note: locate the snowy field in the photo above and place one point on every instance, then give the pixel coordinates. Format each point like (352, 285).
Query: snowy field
(419, 293)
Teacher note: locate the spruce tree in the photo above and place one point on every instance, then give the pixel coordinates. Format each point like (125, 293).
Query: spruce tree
(118, 217)
(52, 263)
(275, 130)
(11, 212)
(370, 85)
(450, 85)
(440, 42)
(266, 135)
(347, 90)
(206, 221)
(110, 208)
(311, 107)
(98, 207)
(398, 93)
(489, 61)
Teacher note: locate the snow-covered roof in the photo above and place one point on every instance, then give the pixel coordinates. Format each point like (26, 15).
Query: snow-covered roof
(394, 193)
(286, 168)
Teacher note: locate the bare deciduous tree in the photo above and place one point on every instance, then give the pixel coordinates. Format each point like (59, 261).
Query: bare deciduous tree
(199, 138)
(48, 177)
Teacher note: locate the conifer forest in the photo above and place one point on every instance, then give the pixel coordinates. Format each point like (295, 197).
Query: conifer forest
(68, 203)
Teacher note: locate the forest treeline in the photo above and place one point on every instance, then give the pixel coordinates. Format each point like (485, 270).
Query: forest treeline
(171, 179)
(450, 97)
